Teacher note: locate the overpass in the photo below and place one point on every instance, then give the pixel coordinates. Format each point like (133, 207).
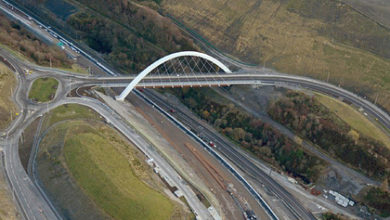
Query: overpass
(184, 66)
(212, 79)
(178, 77)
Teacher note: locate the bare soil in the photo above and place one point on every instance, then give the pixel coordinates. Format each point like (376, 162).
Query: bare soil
(180, 142)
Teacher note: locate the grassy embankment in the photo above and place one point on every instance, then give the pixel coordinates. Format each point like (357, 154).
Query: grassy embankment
(26, 45)
(103, 172)
(70, 112)
(378, 200)
(43, 89)
(130, 36)
(354, 118)
(331, 216)
(252, 134)
(305, 37)
(8, 209)
(7, 85)
(108, 170)
(378, 10)
(310, 119)
(7, 107)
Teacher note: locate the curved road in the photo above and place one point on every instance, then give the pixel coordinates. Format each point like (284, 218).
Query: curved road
(35, 206)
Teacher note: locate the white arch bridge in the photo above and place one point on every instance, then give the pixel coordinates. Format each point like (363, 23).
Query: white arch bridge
(172, 71)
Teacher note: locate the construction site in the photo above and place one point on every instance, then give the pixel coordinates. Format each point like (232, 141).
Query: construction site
(234, 200)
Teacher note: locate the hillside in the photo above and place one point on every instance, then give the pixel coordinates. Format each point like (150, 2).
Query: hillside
(7, 107)
(22, 43)
(306, 37)
(90, 171)
(127, 34)
(378, 10)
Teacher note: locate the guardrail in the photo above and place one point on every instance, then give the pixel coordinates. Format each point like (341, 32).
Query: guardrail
(55, 34)
(249, 187)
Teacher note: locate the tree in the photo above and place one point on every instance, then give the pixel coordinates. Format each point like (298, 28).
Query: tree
(385, 185)
(354, 135)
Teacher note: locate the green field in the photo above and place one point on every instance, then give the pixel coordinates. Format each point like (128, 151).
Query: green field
(314, 38)
(76, 69)
(354, 118)
(105, 175)
(43, 89)
(81, 160)
(71, 111)
(7, 106)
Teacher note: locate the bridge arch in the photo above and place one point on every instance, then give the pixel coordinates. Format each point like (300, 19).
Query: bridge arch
(157, 63)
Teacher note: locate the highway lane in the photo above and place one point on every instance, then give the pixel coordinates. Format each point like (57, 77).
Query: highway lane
(253, 79)
(17, 96)
(259, 77)
(229, 151)
(32, 200)
(117, 122)
(302, 83)
(382, 116)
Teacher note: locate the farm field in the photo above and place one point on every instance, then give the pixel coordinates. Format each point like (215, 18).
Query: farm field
(320, 39)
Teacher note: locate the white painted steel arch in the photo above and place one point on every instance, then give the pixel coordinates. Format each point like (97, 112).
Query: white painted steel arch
(154, 65)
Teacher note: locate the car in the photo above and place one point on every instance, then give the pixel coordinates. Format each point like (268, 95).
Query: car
(172, 110)
(212, 144)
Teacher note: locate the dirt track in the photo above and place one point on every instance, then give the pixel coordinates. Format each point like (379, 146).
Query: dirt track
(210, 171)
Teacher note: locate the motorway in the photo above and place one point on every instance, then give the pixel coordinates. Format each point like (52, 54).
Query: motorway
(229, 150)
(78, 81)
(32, 200)
(264, 75)
(29, 196)
(259, 77)
(152, 81)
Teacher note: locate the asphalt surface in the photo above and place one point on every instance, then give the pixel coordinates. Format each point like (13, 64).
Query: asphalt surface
(34, 204)
(32, 199)
(67, 82)
(229, 150)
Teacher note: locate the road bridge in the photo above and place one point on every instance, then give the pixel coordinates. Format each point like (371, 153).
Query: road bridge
(178, 70)
(235, 78)
(183, 65)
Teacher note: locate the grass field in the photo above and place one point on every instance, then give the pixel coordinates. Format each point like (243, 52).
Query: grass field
(77, 69)
(43, 89)
(378, 10)
(305, 37)
(7, 207)
(354, 118)
(99, 168)
(108, 177)
(70, 111)
(7, 107)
